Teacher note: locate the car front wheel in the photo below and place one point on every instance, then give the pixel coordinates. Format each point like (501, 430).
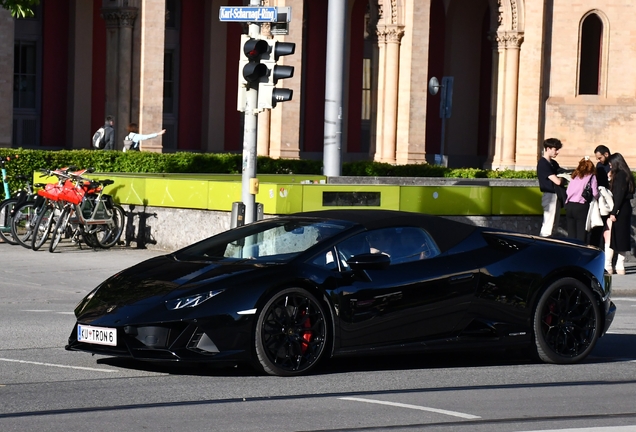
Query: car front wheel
(291, 333)
(567, 322)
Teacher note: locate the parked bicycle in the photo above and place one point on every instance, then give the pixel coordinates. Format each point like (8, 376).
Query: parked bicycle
(25, 214)
(76, 209)
(11, 201)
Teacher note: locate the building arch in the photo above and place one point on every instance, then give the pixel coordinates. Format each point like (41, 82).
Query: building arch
(496, 144)
(600, 43)
(509, 15)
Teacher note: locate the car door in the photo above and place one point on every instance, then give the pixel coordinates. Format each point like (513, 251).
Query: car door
(422, 295)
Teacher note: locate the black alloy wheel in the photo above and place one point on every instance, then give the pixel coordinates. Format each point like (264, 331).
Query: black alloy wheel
(567, 322)
(291, 333)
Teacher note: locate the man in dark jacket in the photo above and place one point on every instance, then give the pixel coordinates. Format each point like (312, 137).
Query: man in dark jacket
(109, 133)
(602, 153)
(547, 170)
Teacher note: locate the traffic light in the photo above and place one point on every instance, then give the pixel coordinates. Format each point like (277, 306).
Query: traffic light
(268, 93)
(251, 70)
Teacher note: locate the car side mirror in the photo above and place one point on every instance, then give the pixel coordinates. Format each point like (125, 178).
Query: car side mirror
(369, 261)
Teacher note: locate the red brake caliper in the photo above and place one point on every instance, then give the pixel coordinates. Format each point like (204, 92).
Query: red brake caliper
(306, 335)
(548, 318)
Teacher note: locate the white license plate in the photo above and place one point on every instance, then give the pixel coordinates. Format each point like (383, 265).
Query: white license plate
(96, 335)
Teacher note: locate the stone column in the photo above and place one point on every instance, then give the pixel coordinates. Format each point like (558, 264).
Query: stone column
(391, 68)
(379, 140)
(126, 21)
(119, 28)
(284, 141)
(111, 17)
(508, 45)
(262, 140)
(152, 19)
(492, 127)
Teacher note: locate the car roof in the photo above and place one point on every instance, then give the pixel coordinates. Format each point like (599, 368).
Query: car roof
(446, 232)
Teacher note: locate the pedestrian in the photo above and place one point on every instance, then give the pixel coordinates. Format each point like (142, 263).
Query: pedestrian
(602, 153)
(622, 187)
(547, 170)
(577, 204)
(109, 133)
(134, 138)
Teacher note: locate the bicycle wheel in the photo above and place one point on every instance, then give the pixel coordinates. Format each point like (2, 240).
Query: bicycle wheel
(6, 207)
(60, 228)
(24, 217)
(108, 235)
(89, 238)
(43, 227)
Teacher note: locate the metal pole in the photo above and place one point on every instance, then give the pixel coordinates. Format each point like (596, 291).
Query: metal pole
(333, 88)
(249, 139)
(441, 146)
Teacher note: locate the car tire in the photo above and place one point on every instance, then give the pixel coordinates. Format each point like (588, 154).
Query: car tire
(291, 333)
(567, 322)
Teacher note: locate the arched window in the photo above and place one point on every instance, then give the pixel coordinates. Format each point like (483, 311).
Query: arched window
(590, 56)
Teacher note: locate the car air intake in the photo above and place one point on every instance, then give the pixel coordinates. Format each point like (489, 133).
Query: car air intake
(201, 342)
(153, 337)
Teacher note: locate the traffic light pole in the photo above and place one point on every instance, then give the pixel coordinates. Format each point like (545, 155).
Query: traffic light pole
(248, 179)
(257, 91)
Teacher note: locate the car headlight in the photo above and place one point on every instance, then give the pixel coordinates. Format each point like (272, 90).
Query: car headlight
(191, 301)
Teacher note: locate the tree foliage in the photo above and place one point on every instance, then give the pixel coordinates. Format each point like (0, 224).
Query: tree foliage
(20, 8)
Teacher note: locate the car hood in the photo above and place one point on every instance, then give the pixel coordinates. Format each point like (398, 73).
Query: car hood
(157, 280)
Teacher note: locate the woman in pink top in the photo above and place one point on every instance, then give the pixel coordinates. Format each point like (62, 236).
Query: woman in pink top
(576, 207)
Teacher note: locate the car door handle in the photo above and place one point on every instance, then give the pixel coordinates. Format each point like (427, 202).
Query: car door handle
(461, 278)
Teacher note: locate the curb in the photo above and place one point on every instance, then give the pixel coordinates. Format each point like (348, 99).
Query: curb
(623, 292)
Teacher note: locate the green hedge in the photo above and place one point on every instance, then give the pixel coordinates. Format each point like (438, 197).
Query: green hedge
(223, 163)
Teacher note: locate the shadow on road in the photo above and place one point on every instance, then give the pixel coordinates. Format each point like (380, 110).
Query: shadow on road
(610, 348)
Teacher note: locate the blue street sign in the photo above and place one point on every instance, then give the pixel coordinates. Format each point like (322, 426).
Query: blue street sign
(248, 14)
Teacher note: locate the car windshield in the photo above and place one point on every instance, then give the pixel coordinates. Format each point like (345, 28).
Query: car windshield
(275, 240)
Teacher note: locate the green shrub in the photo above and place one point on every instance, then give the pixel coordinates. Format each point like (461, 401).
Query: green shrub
(223, 163)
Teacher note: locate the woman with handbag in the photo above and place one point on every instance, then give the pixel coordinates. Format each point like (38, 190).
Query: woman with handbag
(622, 187)
(582, 189)
(132, 142)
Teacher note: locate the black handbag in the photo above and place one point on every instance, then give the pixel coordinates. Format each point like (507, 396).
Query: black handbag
(587, 193)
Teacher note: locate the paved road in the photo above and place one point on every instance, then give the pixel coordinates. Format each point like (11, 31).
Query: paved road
(44, 387)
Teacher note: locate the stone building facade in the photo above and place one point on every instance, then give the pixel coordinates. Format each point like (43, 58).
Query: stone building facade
(521, 71)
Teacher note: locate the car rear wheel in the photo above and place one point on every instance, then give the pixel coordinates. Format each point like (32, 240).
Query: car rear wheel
(567, 322)
(291, 333)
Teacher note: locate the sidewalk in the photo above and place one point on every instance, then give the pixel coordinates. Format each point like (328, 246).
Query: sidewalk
(625, 285)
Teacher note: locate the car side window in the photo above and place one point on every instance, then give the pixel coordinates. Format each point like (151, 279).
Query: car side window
(326, 260)
(401, 244)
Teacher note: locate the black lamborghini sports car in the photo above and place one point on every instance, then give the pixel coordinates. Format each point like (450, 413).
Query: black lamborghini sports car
(286, 292)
